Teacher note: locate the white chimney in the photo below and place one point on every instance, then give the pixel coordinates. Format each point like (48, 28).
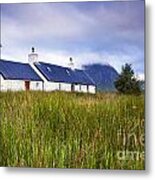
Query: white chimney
(71, 64)
(32, 57)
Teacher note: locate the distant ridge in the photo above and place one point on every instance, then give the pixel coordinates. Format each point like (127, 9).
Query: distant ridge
(103, 76)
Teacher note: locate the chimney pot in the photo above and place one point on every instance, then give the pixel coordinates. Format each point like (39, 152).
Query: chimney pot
(33, 49)
(33, 57)
(71, 64)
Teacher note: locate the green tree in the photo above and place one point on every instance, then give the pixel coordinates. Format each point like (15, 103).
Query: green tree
(126, 82)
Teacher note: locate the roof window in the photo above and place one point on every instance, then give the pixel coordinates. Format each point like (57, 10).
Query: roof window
(49, 69)
(67, 71)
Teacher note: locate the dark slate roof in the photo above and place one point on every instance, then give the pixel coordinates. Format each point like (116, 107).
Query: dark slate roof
(17, 71)
(82, 77)
(63, 74)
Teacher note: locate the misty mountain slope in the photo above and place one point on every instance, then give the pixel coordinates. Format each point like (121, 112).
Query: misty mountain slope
(103, 76)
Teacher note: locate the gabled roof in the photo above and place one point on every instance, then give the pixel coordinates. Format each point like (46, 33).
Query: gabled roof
(82, 77)
(63, 74)
(17, 71)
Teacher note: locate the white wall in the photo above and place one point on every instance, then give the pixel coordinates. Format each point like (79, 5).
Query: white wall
(65, 86)
(14, 85)
(53, 86)
(36, 85)
(84, 88)
(77, 88)
(18, 85)
(1, 79)
(92, 89)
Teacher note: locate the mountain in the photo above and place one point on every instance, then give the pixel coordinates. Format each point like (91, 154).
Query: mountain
(102, 75)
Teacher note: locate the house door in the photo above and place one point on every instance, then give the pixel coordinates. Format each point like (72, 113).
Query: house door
(27, 85)
(72, 87)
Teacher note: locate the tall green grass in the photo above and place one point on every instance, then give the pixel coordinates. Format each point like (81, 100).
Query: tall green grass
(67, 130)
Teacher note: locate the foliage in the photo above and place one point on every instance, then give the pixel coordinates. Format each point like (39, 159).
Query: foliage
(126, 82)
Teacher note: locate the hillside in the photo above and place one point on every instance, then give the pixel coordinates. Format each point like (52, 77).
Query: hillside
(103, 76)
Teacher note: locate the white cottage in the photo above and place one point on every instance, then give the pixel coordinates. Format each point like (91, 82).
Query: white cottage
(17, 76)
(43, 76)
(61, 78)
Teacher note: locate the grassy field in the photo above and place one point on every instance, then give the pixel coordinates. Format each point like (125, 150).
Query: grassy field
(66, 130)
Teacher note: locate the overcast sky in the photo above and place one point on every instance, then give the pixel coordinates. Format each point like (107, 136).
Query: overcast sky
(90, 32)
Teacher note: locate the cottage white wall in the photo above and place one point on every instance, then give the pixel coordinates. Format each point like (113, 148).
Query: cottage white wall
(18, 85)
(65, 87)
(1, 78)
(84, 88)
(1, 82)
(77, 88)
(36, 85)
(51, 86)
(12, 85)
(92, 89)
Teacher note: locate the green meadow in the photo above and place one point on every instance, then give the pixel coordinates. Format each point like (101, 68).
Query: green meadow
(71, 130)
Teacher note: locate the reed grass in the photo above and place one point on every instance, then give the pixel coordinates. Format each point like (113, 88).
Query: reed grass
(71, 130)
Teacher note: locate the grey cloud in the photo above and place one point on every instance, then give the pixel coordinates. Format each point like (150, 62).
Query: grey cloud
(113, 32)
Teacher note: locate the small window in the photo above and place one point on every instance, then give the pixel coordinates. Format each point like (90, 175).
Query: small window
(49, 69)
(37, 84)
(68, 72)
